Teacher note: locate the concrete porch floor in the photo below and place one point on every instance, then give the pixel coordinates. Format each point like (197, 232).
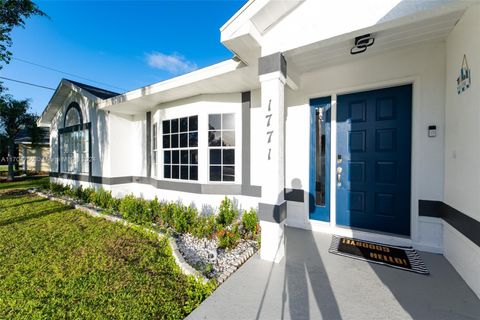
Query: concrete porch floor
(310, 283)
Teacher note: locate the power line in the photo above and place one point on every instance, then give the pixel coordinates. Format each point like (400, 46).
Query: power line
(28, 83)
(67, 73)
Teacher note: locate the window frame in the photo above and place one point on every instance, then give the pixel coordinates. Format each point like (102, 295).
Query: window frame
(222, 148)
(188, 149)
(154, 155)
(84, 131)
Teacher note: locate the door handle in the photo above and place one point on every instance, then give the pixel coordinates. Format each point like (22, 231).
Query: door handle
(339, 176)
(339, 170)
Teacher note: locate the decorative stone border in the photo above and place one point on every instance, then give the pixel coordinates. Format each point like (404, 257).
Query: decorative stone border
(241, 260)
(186, 268)
(179, 260)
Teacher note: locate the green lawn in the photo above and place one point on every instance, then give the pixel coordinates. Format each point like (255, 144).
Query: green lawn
(24, 183)
(56, 262)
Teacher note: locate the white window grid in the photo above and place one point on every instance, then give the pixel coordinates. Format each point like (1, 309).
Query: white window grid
(74, 152)
(221, 147)
(180, 148)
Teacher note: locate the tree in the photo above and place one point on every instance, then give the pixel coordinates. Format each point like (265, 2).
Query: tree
(13, 14)
(14, 114)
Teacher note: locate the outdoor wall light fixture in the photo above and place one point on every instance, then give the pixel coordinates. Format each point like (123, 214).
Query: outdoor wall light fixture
(362, 43)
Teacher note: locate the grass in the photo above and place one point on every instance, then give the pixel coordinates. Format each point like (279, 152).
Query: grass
(57, 262)
(24, 183)
(3, 168)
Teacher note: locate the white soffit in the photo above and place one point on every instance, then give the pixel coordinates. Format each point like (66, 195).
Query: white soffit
(387, 38)
(225, 77)
(272, 13)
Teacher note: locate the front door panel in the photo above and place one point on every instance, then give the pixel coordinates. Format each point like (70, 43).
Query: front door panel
(373, 159)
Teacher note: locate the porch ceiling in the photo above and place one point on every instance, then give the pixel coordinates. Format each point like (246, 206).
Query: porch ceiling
(387, 38)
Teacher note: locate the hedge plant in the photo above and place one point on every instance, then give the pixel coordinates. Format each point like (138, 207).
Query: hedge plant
(225, 226)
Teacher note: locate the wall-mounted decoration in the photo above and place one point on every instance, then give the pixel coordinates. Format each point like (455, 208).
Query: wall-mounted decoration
(362, 43)
(464, 79)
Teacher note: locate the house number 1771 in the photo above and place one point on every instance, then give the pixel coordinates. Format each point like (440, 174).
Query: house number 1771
(268, 117)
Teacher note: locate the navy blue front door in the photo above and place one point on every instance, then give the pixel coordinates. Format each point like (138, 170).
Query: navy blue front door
(373, 159)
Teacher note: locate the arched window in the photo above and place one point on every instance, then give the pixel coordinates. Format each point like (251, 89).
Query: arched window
(74, 142)
(72, 117)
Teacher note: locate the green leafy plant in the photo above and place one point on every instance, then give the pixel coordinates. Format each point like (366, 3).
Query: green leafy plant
(226, 212)
(204, 227)
(135, 210)
(101, 198)
(250, 222)
(228, 238)
(86, 194)
(57, 188)
(184, 217)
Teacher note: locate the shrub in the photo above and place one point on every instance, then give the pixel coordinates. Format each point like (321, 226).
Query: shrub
(204, 227)
(57, 188)
(69, 191)
(228, 238)
(250, 222)
(184, 218)
(101, 198)
(134, 209)
(113, 205)
(226, 212)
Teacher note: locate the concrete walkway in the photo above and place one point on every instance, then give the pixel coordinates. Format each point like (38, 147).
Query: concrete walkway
(311, 283)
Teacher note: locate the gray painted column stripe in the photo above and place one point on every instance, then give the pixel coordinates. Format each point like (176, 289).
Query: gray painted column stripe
(246, 105)
(272, 63)
(295, 195)
(149, 143)
(463, 223)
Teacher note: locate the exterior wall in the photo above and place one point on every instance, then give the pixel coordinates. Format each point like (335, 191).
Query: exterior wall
(424, 66)
(37, 157)
(100, 136)
(123, 153)
(462, 149)
(127, 133)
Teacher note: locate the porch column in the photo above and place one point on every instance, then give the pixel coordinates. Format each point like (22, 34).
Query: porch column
(272, 208)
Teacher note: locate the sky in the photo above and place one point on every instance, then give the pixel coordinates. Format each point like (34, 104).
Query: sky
(115, 45)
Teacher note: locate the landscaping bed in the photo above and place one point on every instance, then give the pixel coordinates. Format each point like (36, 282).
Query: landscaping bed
(215, 245)
(58, 262)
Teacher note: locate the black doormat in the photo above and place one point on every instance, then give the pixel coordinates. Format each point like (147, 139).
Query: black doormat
(405, 258)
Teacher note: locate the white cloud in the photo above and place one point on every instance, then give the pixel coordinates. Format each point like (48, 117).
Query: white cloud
(173, 63)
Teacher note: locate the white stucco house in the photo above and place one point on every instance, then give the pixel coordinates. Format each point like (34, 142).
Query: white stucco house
(358, 118)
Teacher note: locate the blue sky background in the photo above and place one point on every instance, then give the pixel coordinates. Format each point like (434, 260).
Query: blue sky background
(125, 44)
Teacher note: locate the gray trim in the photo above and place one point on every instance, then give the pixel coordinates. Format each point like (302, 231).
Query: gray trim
(223, 189)
(272, 63)
(463, 223)
(429, 208)
(296, 195)
(246, 105)
(272, 212)
(149, 143)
